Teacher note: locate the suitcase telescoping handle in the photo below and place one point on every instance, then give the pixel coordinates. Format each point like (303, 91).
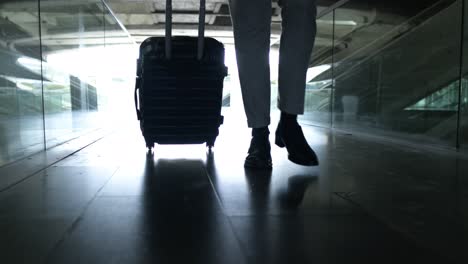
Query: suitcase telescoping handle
(201, 29)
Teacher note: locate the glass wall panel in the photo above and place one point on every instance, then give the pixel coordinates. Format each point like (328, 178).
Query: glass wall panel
(464, 96)
(396, 73)
(73, 45)
(319, 85)
(21, 114)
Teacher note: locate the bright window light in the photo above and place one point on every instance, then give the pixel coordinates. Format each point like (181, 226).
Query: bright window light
(31, 64)
(313, 72)
(338, 22)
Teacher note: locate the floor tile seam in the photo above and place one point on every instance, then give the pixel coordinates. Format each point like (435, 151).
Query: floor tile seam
(28, 219)
(120, 196)
(400, 143)
(14, 184)
(213, 188)
(241, 246)
(352, 211)
(410, 238)
(51, 147)
(302, 214)
(69, 231)
(295, 215)
(102, 131)
(250, 259)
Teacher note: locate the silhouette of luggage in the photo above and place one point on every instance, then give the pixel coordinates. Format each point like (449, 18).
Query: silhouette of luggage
(179, 87)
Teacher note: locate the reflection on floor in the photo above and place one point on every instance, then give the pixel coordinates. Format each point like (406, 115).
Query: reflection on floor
(23, 136)
(368, 201)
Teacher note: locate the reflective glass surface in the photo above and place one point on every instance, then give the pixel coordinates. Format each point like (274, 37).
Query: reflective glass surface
(21, 122)
(319, 85)
(464, 114)
(82, 82)
(463, 125)
(390, 70)
(73, 44)
(396, 72)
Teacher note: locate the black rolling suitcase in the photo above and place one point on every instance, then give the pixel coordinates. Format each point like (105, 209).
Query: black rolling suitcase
(179, 87)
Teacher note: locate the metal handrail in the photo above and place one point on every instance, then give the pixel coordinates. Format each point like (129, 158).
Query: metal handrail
(332, 8)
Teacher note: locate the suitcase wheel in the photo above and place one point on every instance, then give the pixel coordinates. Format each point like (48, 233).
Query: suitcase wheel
(149, 145)
(210, 146)
(150, 153)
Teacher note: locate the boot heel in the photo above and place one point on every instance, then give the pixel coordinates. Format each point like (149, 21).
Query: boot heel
(279, 142)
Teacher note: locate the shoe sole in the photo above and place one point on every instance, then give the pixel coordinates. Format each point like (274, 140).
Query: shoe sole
(293, 159)
(302, 162)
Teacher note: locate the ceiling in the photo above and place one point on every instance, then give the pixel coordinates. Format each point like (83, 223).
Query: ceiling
(144, 18)
(69, 24)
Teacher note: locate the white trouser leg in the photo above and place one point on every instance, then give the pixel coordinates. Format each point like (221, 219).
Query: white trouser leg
(251, 22)
(297, 42)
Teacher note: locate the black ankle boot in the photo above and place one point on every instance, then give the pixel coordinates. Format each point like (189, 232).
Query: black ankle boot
(289, 134)
(259, 156)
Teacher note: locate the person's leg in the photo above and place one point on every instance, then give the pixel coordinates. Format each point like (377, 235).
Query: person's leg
(297, 41)
(251, 23)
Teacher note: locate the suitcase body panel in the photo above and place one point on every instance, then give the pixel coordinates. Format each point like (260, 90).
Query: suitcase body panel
(180, 98)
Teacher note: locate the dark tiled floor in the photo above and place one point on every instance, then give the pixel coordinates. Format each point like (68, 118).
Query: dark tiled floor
(367, 202)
